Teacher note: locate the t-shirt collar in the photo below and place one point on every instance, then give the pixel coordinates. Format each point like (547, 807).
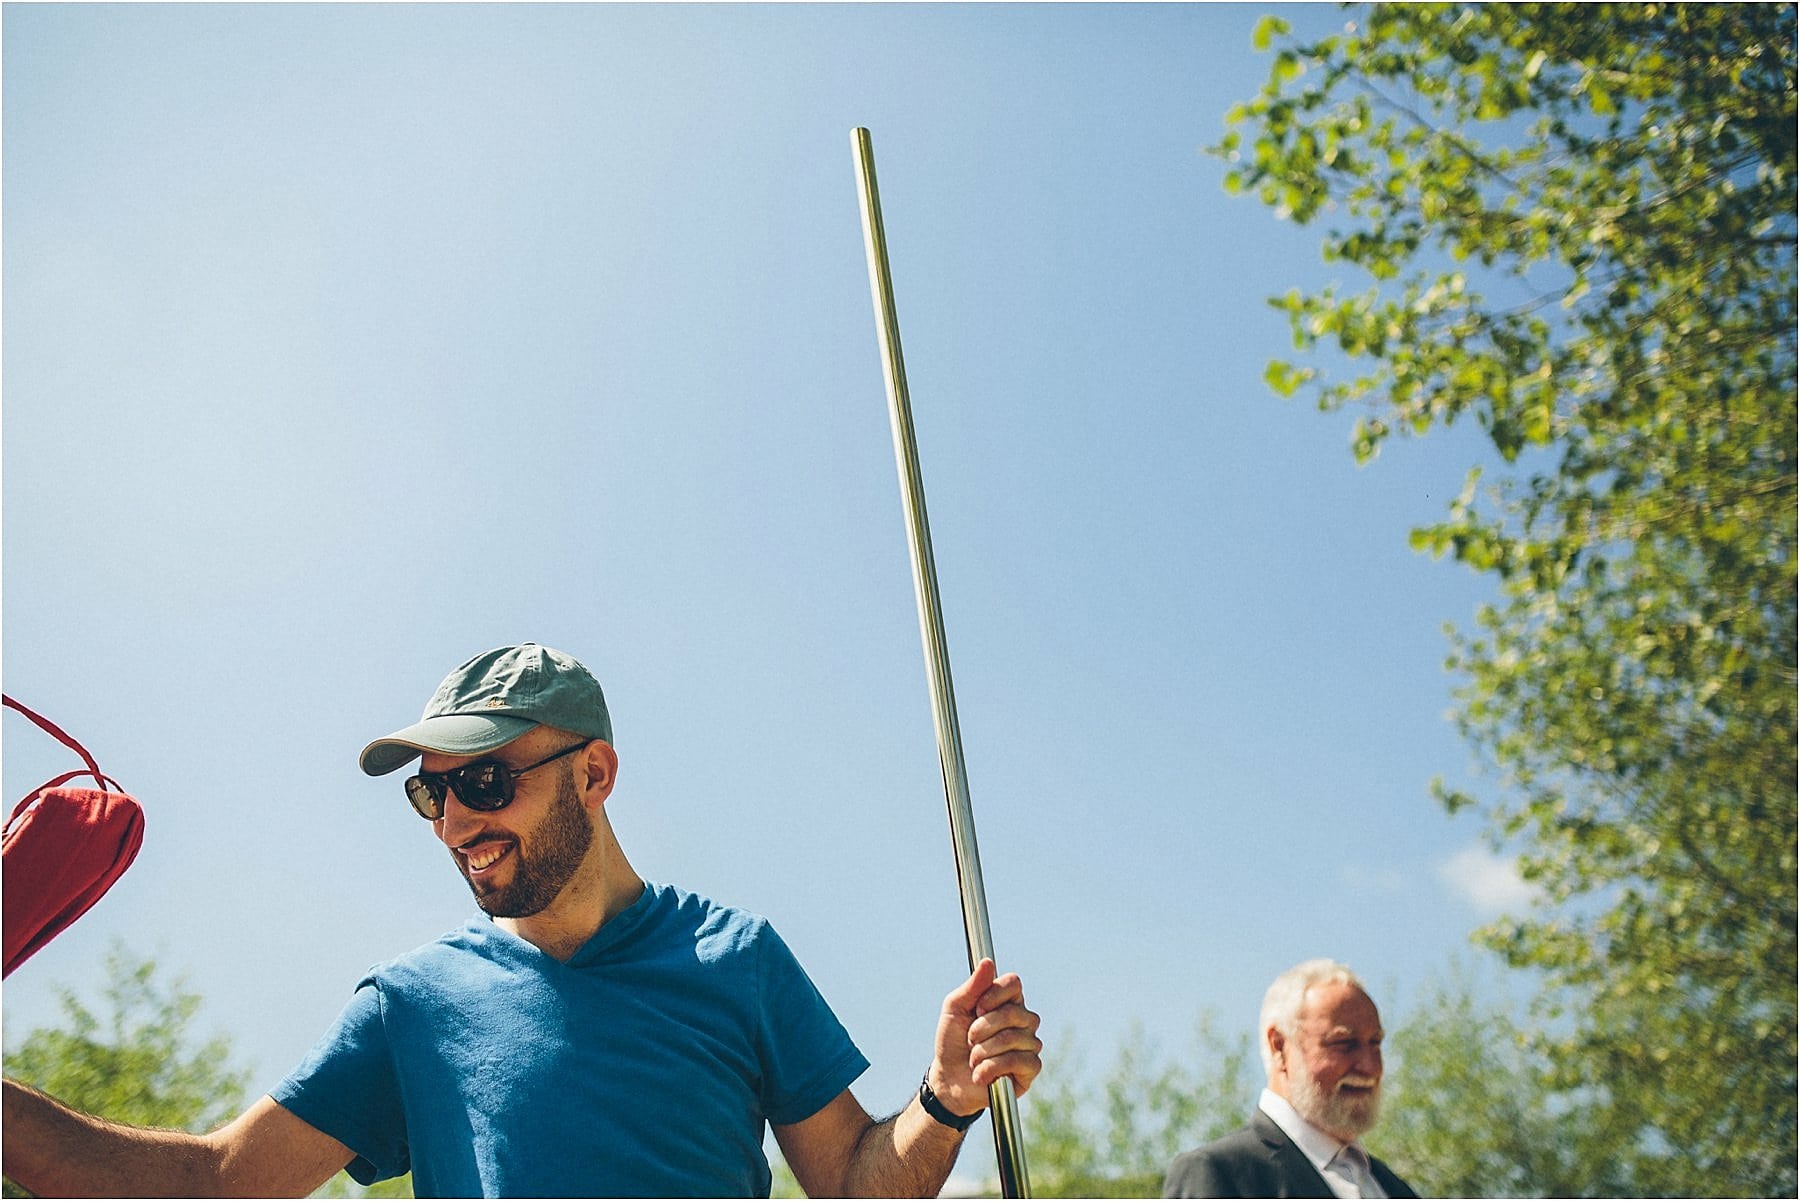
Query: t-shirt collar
(614, 931)
(616, 928)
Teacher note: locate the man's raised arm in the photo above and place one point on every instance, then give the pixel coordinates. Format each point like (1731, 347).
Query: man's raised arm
(54, 1151)
(984, 1033)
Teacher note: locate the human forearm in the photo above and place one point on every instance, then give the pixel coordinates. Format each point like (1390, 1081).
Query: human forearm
(907, 1155)
(53, 1151)
(985, 1034)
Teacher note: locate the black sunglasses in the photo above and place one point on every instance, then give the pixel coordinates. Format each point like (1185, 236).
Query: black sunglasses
(484, 787)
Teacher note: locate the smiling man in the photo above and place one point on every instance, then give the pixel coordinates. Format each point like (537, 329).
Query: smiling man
(588, 1034)
(1320, 1038)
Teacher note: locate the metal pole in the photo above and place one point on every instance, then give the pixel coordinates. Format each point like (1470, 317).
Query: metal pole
(1003, 1107)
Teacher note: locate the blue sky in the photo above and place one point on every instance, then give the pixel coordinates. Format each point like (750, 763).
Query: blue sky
(344, 342)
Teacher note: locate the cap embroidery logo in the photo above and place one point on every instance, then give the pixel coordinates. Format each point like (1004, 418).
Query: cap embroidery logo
(496, 703)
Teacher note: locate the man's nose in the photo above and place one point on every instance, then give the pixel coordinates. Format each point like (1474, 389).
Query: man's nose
(458, 821)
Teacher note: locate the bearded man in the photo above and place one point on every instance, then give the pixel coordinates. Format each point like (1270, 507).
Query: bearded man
(1321, 1047)
(590, 1034)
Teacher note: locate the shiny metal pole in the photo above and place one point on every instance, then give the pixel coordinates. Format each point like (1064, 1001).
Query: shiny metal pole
(1003, 1107)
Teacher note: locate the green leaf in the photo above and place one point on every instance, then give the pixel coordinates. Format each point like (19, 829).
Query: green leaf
(1284, 379)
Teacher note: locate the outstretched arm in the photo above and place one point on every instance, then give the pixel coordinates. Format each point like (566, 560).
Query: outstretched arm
(984, 1033)
(54, 1151)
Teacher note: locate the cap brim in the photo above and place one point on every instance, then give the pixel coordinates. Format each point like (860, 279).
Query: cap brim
(452, 734)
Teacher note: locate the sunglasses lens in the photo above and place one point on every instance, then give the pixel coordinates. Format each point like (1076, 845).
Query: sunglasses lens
(427, 796)
(483, 787)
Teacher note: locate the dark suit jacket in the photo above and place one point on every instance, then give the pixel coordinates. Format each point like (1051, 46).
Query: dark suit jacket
(1259, 1161)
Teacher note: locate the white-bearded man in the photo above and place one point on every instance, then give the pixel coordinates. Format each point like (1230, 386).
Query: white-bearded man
(1320, 1038)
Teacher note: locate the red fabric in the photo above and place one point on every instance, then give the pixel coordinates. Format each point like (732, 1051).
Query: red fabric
(63, 848)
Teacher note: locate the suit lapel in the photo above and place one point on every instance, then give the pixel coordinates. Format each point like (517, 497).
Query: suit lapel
(1290, 1162)
(1390, 1183)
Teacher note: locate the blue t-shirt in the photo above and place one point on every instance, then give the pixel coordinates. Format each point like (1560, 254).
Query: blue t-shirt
(644, 1066)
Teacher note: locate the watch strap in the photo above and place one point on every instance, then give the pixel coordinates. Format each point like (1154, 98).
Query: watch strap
(935, 1107)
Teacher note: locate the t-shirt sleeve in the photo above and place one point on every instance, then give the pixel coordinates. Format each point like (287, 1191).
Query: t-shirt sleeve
(347, 1088)
(808, 1056)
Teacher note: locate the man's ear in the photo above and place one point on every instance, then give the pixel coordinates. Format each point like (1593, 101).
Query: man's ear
(597, 770)
(1277, 1045)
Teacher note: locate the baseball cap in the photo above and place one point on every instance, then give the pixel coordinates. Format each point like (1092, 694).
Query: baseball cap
(491, 700)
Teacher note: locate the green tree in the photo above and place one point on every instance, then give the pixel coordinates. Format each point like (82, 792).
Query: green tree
(1470, 1107)
(1576, 225)
(1115, 1137)
(135, 1061)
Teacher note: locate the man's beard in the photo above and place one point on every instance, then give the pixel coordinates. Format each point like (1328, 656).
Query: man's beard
(1336, 1111)
(561, 842)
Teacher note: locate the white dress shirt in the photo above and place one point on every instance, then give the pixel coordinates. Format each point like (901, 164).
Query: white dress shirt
(1345, 1166)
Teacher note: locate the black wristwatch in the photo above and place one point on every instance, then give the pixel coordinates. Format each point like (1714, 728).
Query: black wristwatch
(935, 1108)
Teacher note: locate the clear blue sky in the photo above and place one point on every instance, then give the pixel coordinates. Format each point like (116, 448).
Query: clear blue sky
(342, 343)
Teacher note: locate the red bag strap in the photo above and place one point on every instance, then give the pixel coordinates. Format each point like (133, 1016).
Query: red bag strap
(49, 727)
(106, 782)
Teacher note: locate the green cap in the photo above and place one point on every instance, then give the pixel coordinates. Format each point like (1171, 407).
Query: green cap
(493, 699)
